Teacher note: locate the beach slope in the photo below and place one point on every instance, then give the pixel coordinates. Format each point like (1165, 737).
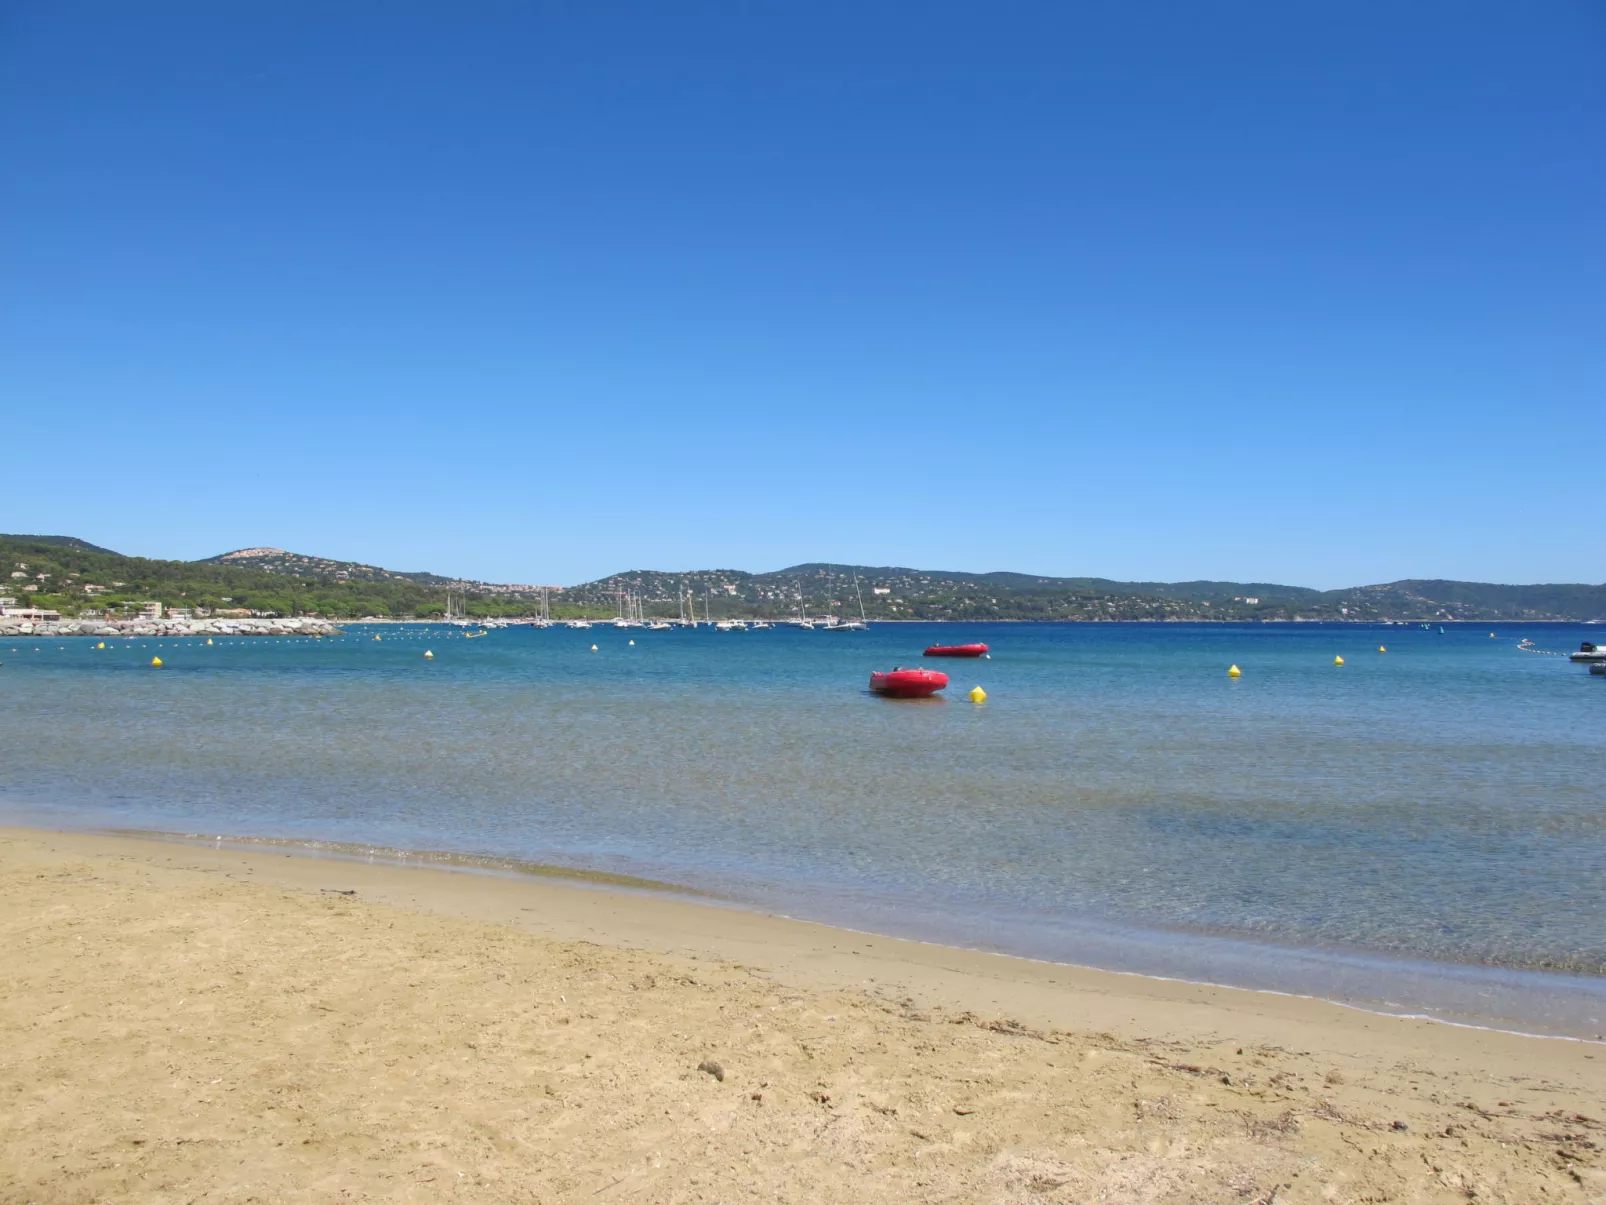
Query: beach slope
(181, 1023)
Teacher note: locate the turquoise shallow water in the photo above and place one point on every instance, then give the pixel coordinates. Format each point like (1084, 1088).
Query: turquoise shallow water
(1419, 830)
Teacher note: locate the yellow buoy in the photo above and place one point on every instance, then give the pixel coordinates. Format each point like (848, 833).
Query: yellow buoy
(1234, 672)
(977, 695)
(209, 640)
(157, 662)
(376, 637)
(101, 645)
(1382, 648)
(1338, 661)
(428, 654)
(593, 648)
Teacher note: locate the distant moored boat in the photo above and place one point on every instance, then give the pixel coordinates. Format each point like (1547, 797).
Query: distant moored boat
(957, 650)
(903, 683)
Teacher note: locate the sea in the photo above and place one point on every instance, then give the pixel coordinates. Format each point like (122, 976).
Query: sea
(1420, 830)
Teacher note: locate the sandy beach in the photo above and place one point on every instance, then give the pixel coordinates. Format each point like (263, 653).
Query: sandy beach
(183, 1023)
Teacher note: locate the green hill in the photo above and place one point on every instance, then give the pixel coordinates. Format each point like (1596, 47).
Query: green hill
(890, 592)
(70, 575)
(296, 564)
(72, 542)
(73, 575)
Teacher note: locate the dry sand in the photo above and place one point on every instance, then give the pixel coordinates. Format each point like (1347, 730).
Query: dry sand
(191, 1024)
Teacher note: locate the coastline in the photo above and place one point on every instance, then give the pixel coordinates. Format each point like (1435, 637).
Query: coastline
(324, 626)
(1474, 995)
(1195, 1084)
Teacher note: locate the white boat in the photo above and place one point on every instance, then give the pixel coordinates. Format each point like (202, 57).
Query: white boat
(759, 623)
(1588, 652)
(851, 625)
(659, 625)
(724, 625)
(544, 619)
(578, 623)
(456, 612)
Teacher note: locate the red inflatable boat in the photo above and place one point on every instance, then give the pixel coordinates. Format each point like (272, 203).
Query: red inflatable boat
(908, 683)
(957, 650)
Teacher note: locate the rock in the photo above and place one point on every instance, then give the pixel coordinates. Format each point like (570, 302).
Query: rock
(174, 628)
(713, 1069)
(1399, 1125)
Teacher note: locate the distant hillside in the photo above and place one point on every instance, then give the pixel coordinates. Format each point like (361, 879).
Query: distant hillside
(890, 592)
(64, 542)
(296, 564)
(69, 575)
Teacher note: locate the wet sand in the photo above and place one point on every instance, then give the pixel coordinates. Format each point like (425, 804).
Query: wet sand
(181, 1023)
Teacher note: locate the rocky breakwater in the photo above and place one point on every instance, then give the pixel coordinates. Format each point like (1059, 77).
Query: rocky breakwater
(16, 626)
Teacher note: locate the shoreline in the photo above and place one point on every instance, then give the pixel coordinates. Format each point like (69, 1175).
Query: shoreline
(179, 1018)
(321, 626)
(265, 851)
(1371, 982)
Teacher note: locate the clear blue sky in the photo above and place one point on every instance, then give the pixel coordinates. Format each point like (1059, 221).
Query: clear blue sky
(1312, 293)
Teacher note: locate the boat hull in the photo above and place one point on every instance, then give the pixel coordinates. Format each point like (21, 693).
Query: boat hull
(908, 683)
(957, 650)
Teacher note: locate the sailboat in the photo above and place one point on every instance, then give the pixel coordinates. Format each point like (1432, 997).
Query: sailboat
(456, 613)
(852, 625)
(628, 608)
(803, 620)
(544, 619)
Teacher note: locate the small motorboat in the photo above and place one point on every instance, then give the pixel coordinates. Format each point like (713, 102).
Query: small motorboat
(903, 683)
(957, 650)
(1587, 652)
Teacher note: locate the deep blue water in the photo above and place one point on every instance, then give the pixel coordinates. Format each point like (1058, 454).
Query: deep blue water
(1421, 829)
